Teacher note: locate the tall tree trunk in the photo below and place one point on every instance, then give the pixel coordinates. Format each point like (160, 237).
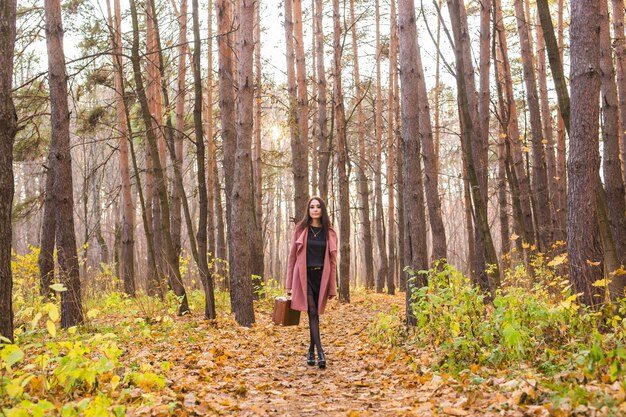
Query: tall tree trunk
(614, 187)
(8, 128)
(555, 207)
(128, 216)
(201, 236)
(322, 130)
(561, 158)
(298, 143)
(256, 240)
(315, 160)
(583, 240)
(211, 178)
(379, 216)
(71, 301)
(522, 184)
(176, 282)
(48, 234)
(242, 200)
(470, 137)
(342, 161)
(227, 110)
(540, 177)
(303, 107)
(391, 161)
(414, 210)
(620, 63)
(503, 215)
(364, 193)
(181, 82)
(431, 180)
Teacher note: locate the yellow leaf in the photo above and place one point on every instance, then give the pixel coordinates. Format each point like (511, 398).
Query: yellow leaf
(35, 321)
(619, 271)
(526, 149)
(115, 381)
(52, 329)
(93, 313)
(53, 312)
(558, 260)
(544, 141)
(525, 245)
(503, 135)
(72, 330)
(514, 236)
(593, 263)
(602, 283)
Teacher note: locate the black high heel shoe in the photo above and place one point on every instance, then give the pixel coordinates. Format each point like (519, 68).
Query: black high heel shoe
(310, 358)
(321, 360)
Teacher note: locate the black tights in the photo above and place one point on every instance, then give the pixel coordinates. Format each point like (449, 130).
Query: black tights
(314, 324)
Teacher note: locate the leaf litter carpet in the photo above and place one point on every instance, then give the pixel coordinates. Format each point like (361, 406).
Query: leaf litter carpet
(225, 369)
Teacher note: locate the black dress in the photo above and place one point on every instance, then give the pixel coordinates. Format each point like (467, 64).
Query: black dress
(315, 254)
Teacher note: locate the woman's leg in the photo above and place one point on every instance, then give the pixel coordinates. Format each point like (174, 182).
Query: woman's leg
(314, 324)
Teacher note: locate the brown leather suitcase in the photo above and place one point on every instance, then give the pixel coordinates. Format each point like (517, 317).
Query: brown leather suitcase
(283, 314)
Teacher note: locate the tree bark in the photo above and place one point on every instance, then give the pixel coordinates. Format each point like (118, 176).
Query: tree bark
(128, 218)
(364, 193)
(431, 180)
(48, 234)
(620, 63)
(391, 152)
(303, 107)
(583, 240)
(556, 206)
(298, 153)
(170, 257)
(242, 200)
(201, 236)
(181, 81)
(485, 251)
(379, 213)
(614, 187)
(412, 116)
(322, 131)
(8, 129)
(540, 177)
(71, 300)
(342, 161)
(211, 159)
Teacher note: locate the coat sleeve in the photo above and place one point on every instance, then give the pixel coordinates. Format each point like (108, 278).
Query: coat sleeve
(332, 290)
(292, 261)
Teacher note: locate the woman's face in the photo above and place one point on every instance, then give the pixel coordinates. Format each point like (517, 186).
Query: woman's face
(315, 209)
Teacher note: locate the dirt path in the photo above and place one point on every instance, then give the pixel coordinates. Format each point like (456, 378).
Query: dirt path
(263, 371)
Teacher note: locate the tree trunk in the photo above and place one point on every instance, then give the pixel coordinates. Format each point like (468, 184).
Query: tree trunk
(470, 137)
(555, 207)
(211, 178)
(8, 129)
(614, 187)
(48, 234)
(322, 131)
(412, 115)
(128, 217)
(170, 257)
(583, 240)
(181, 81)
(342, 161)
(201, 237)
(391, 152)
(298, 143)
(379, 216)
(256, 240)
(303, 108)
(431, 180)
(540, 177)
(71, 301)
(522, 184)
(242, 200)
(620, 62)
(364, 193)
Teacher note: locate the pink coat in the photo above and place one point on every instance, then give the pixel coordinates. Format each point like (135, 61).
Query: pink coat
(296, 271)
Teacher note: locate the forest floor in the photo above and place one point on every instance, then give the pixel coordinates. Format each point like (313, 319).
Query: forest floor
(225, 369)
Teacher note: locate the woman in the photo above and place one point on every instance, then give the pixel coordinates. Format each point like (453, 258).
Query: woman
(311, 273)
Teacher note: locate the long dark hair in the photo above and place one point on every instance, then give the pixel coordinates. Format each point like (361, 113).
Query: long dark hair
(306, 219)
